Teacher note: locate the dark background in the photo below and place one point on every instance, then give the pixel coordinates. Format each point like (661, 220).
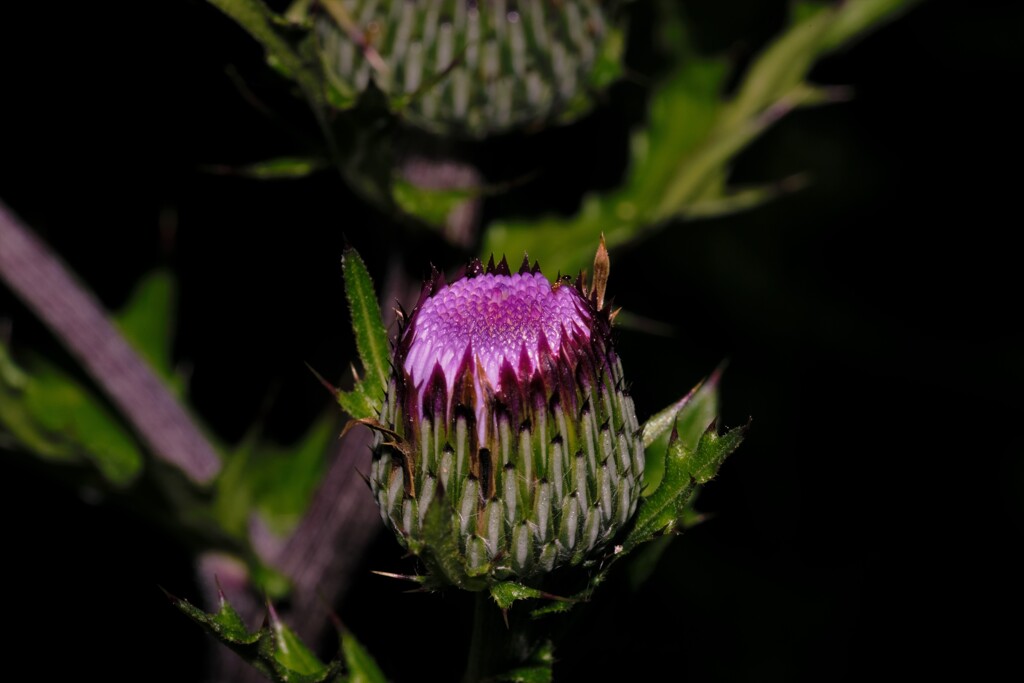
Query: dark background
(871, 519)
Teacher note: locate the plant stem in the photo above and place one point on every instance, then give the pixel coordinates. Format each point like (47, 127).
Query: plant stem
(49, 289)
(477, 643)
(501, 643)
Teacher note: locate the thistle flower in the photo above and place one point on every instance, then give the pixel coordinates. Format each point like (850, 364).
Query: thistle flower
(468, 67)
(507, 446)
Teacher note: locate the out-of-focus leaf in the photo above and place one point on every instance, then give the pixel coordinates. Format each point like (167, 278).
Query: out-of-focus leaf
(606, 70)
(371, 340)
(280, 168)
(690, 95)
(854, 19)
(275, 481)
(274, 650)
(56, 417)
(643, 562)
(147, 322)
(362, 667)
(537, 670)
(680, 160)
(432, 206)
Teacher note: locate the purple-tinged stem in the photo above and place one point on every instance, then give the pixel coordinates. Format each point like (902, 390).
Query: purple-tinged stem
(45, 284)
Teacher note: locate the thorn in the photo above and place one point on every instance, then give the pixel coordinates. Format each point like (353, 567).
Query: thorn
(173, 599)
(375, 426)
(558, 598)
(614, 314)
(504, 615)
(403, 577)
(327, 385)
(220, 590)
(716, 374)
(602, 266)
(275, 620)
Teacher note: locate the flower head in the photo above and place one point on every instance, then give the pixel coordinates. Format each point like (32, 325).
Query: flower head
(511, 447)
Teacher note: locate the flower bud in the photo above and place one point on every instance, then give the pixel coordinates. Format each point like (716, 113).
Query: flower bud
(465, 67)
(507, 446)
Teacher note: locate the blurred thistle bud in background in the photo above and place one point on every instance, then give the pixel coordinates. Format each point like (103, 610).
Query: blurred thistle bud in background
(508, 446)
(471, 68)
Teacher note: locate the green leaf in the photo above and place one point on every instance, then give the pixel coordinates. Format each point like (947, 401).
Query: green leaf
(225, 624)
(290, 653)
(537, 670)
(661, 423)
(700, 412)
(371, 339)
(689, 417)
(274, 650)
(280, 168)
(689, 94)
(276, 481)
(679, 161)
(685, 470)
(854, 19)
(56, 417)
(262, 24)
(362, 668)
(147, 321)
(607, 69)
(508, 592)
(432, 206)
(357, 403)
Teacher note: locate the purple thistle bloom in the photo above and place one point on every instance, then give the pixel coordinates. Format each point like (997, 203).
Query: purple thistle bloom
(511, 447)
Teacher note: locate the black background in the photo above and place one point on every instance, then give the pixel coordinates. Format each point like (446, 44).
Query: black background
(870, 521)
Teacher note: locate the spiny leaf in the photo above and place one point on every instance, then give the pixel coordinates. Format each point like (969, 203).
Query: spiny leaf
(689, 417)
(711, 452)
(508, 592)
(685, 470)
(274, 650)
(288, 651)
(371, 337)
(225, 624)
(357, 403)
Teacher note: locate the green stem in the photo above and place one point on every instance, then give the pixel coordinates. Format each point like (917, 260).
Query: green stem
(479, 638)
(497, 648)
